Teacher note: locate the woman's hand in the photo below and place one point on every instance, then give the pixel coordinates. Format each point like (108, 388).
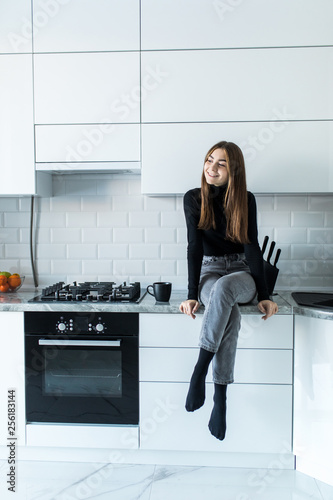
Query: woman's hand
(189, 307)
(268, 307)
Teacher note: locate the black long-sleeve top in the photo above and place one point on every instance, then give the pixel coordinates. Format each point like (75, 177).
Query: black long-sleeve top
(213, 241)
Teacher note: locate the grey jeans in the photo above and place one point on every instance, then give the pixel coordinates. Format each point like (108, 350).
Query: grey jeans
(225, 282)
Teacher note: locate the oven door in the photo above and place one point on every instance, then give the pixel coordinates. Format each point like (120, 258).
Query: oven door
(82, 380)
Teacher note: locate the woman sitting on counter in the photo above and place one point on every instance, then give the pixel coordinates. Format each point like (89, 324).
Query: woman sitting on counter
(225, 268)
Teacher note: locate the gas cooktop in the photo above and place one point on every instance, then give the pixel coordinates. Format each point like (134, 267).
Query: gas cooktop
(90, 291)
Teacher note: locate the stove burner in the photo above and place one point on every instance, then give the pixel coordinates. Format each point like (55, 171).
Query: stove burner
(89, 291)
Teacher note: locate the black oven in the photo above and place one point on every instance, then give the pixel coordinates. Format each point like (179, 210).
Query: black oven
(82, 367)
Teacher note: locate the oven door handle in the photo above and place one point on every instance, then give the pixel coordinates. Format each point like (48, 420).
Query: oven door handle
(79, 343)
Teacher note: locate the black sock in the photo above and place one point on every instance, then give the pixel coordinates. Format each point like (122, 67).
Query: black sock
(196, 393)
(217, 423)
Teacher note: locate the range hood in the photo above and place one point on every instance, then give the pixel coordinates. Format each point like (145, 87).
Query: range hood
(112, 167)
(75, 148)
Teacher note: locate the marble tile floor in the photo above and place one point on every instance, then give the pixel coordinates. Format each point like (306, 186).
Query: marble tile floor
(81, 481)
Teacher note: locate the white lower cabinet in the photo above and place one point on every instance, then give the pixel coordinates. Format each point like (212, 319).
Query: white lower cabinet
(259, 403)
(313, 401)
(12, 388)
(258, 419)
(83, 436)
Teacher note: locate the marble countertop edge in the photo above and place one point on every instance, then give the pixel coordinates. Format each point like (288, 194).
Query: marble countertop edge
(19, 302)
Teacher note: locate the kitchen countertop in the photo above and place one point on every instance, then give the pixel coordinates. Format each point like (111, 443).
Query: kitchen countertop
(20, 302)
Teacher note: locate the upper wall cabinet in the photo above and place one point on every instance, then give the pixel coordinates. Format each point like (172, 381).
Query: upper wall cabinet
(240, 85)
(194, 24)
(78, 88)
(86, 25)
(15, 26)
(17, 168)
(280, 156)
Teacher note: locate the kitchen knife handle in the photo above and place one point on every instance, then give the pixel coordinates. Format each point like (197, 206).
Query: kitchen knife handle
(277, 256)
(264, 245)
(271, 249)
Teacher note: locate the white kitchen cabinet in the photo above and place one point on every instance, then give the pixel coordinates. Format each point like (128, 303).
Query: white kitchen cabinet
(12, 377)
(83, 436)
(279, 155)
(87, 143)
(17, 163)
(252, 366)
(258, 419)
(87, 88)
(240, 85)
(86, 25)
(169, 330)
(313, 397)
(235, 23)
(15, 26)
(263, 386)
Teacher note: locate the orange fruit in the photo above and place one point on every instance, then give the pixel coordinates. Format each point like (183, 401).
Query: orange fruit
(3, 279)
(14, 281)
(4, 288)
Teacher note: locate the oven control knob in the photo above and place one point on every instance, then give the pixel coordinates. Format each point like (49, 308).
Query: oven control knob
(99, 327)
(62, 326)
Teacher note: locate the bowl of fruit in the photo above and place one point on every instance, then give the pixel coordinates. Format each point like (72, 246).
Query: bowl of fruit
(10, 282)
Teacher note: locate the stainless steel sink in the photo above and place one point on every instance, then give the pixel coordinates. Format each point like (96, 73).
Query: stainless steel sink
(318, 300)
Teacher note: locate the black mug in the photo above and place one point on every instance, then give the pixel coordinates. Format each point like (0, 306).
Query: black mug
(161, 291)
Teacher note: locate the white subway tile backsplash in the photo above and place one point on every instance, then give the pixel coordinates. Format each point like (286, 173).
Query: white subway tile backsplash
(113, 251)
(321, 236)
(51, 219)
(103, 228)
(160, 235)
(66, 266)
(145, 251)
(96, 204)
(308, 219)
(78, 251)
(144, 219)
(275, 219)
(182, 235)
(65, 204)
(162, 267)
(292, 235)
(51, 251)
(128, 267)
(17, 250)
(173, 251)
(292, 203)
(80, 186)
(96, 234)
(96, 267)
(127, 203)
(9, 235)
(321, 203)
(173, 219)
(307, 252)
(9, 204)
(81, 219)
(128, 235)
(65, 235)
(112, 186)
(16, 219)
(160, 203)
(112, 219)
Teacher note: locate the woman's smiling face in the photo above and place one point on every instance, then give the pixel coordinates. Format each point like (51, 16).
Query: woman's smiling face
(215, 169)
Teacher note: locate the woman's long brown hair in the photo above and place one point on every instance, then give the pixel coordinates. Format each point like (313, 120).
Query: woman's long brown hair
(235, 200)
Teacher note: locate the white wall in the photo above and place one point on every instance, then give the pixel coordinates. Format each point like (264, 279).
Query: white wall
(102, 227)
